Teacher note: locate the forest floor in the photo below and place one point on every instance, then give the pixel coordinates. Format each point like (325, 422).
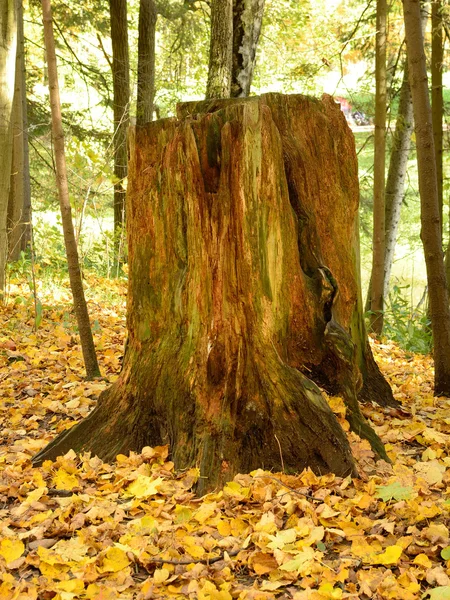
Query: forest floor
(80, 528)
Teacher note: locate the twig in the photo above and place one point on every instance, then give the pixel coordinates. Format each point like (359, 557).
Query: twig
(288, 487)
(204, 561)
(105, 54)
(281, 454)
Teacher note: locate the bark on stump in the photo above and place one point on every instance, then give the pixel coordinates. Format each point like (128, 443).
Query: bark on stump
(244, 262)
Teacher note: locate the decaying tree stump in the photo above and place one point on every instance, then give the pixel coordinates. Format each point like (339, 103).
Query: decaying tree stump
(244, 292)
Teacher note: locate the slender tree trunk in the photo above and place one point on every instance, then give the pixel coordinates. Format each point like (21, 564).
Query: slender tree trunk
(377, 280)
(429, 200)
(437, 98)
(79, 302)
(247, 21)
(121, 87)
(146, 62)
(19, 200)
(8, 42)
(220, 49)
(26, 214)
(395, 184)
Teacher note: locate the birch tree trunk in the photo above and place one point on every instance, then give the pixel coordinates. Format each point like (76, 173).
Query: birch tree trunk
(395, 184)
(247, 22)
(146, 62)
(244, 292)
(8, 43)
(76, 284)
(220, 50)
(378, 241)
(429, 200)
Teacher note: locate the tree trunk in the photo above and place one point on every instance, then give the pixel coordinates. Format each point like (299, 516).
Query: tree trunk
(395, 184)
(121, 87)
(19, 207)
(247, 21)
(146, 62)
(27, 213)
(437, 98)
(377, 279)
(79, 302)
(8, 42)
(429, 201)
(243, 250)
(220, 49)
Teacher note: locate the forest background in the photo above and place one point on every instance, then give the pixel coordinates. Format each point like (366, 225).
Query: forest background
(311, 48)
(82, 528)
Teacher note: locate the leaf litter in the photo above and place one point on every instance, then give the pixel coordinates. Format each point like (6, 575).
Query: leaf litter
(78, 528)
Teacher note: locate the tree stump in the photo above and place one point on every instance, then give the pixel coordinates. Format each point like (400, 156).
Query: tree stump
(243, 293)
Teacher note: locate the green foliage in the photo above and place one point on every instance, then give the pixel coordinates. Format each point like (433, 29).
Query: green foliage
(49, 245)
(96, 245)
(306, 47)
(409, 328)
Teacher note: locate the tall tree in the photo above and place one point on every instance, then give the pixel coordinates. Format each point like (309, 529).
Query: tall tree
(243, 292)
(247, 22)
(19, 207)
(8, 42)
(377, 281)
(395, 182)
(437, 98)
(146, 62)
(220, 50)
(121, 87)
(76, 284)
(429, 199)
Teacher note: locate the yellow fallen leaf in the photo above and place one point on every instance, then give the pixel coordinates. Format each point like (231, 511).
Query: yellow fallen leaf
(337, 405)
(224, 528)
(64, 480)
(74, 586)
(54, 571)
(183, 514)
(161, 575)
(238, 526)
(423, 561)
(432, 471)
(143, 486)
(114, 560)
(362, 549)
(326, 590)
(301, 562)
(233, 488)
(326, 512)
(144, 526)
(282, 538)
(210, 592)
(11, 549)
(389, 557)
(263, 563)
(193, 546)
(206, 510)
(270, 586)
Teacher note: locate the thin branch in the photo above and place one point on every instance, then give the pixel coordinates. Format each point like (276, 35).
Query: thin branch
(105, 54)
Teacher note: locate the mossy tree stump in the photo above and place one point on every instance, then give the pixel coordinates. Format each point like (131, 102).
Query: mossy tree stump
(244, 292)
